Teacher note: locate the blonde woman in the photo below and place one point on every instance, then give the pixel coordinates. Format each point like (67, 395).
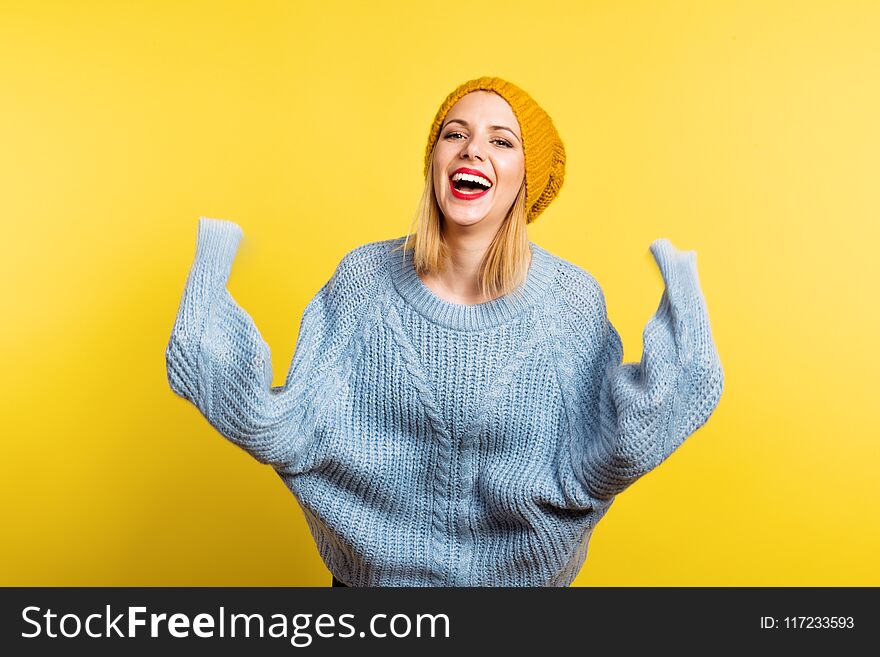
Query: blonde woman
(456, 412)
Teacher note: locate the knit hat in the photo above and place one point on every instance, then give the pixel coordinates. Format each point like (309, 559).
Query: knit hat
(543, 150)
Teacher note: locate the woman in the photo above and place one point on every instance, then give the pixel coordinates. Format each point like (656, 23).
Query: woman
(456, 412)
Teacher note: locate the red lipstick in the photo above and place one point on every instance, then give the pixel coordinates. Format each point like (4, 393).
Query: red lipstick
(464, 195)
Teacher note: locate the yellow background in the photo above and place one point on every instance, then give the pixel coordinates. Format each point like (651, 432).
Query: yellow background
(746, 131)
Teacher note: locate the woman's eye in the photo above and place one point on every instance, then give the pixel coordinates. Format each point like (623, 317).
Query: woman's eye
(506, 143)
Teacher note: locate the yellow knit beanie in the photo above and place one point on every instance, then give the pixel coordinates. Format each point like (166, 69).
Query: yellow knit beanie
(543, 150)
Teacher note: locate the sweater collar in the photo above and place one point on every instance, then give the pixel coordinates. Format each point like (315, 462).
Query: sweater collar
(469, 317)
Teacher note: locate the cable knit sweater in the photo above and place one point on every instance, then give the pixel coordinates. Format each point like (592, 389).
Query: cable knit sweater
(436, 444)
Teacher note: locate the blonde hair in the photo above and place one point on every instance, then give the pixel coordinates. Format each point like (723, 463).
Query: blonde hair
(506, 262)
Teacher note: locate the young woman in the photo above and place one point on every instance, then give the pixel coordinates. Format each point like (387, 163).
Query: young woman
(456, 412)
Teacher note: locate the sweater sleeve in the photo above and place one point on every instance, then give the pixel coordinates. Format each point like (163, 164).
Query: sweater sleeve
(646, 410)
(217, 359)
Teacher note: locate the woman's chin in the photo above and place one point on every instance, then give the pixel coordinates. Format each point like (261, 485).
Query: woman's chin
(463, 221)
(462, 215)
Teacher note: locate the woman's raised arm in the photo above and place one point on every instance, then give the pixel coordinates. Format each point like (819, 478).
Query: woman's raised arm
(217, 359)
(647, 409)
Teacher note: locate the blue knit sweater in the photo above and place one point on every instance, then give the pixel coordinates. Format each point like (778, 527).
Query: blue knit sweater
(437, 444)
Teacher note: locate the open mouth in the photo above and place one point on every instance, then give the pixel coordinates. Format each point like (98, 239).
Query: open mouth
(468, 186)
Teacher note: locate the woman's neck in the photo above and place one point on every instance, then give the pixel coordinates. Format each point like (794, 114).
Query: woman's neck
(459, 280)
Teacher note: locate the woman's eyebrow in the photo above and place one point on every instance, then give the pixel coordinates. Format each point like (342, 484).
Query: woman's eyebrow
(491, 127)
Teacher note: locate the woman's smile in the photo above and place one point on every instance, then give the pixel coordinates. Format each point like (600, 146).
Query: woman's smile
(469, 184)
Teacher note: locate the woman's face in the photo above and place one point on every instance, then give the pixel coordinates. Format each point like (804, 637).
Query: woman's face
(480, 133)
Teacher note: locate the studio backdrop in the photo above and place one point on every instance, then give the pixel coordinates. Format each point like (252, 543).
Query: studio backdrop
(746, 132)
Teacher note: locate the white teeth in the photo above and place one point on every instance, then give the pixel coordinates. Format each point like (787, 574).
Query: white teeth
(477, 179)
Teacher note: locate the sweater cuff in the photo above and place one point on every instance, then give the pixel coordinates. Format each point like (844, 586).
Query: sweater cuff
(683, 303)
(679, 268)
(216, 245)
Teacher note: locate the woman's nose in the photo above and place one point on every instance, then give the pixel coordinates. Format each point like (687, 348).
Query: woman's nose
(472, 149)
